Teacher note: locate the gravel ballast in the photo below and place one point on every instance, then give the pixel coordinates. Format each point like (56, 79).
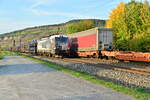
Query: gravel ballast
(125, 78)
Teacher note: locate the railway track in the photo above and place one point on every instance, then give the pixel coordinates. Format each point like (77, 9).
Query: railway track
(134, 70)
(129, 69)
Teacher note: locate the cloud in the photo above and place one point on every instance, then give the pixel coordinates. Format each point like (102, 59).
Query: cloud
(40, 12)
(42, 2)
(37, 3)
(65, 14)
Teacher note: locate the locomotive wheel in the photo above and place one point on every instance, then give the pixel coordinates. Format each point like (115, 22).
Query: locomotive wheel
(105, 57)
(95, 56)
(61, 57)
(50, 55)
(110, 58)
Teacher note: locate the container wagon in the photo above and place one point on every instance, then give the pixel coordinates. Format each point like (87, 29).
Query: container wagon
(24, 48)
(133, 56)
(127, 56)
(91, 42)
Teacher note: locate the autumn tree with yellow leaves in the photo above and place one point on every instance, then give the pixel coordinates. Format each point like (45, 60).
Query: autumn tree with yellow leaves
(128, 22)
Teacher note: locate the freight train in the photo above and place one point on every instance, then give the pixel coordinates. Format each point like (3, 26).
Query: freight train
(96, 42)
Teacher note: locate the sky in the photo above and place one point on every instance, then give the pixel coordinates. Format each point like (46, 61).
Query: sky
(20, 14)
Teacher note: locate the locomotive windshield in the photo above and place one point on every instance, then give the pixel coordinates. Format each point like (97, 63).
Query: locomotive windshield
(61, 39)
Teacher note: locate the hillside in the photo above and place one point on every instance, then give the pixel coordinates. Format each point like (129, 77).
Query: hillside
(28, 34)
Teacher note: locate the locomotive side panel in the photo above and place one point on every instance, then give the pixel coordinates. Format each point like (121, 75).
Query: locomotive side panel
(43, 46)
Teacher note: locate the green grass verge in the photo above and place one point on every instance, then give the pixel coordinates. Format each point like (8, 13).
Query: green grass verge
(9, 53)
(1, 57)
(138, 93)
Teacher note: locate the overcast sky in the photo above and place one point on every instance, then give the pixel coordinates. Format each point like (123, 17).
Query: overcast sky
(18, 14)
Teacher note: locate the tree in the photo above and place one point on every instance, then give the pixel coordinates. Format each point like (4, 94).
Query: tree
(116, 20)
(145, 13)
(145, 16)
(0, 51)
(128, 22)
(137, 16)
(108, 24)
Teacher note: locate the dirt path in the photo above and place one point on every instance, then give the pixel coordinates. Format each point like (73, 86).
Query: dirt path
(22, 79)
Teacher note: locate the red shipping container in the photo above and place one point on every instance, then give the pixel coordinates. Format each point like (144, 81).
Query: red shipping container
(93, 39)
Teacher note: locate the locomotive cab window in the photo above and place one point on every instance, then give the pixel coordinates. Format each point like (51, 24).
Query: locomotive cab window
(61, 39)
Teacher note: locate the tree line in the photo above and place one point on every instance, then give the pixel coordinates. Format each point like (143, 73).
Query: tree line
(80, 26)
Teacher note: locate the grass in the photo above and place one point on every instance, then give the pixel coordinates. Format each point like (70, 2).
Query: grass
(9, 53)
(3, 53)
(138, 93)
(1, 57)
